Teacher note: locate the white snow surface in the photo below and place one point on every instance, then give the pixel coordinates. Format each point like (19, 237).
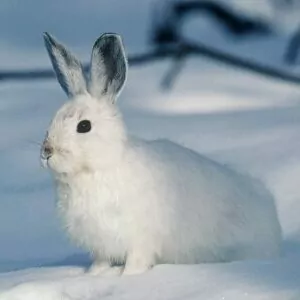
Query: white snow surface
(249, 122)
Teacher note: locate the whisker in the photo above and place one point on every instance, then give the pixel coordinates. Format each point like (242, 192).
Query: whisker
(34, 143)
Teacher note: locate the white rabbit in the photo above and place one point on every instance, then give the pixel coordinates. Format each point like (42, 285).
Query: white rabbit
(140, 203)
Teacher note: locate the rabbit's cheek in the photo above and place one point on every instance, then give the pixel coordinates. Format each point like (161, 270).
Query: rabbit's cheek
(65, 162)
(52, 162)
(56, 163)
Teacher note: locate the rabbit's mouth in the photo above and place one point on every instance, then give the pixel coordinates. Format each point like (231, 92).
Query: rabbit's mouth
(44, 162)
(46, 153)
(51, 162)
(58, 161)
(49, 151)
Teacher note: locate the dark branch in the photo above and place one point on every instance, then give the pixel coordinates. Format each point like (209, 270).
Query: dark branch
(167, 24)
(244, 64)
(292, 51)
(235, 23)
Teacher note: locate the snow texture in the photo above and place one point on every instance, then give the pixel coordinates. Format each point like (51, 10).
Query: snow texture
(248, 122)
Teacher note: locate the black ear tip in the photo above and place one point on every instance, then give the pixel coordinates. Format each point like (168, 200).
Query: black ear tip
(108, 38)
(110, 35)
(46, 35)
(49, 39)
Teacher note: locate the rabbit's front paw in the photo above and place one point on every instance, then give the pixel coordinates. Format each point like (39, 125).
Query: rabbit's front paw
(104, 269)
(137, 264)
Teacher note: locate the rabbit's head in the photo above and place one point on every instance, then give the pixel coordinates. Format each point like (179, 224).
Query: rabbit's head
(87, 132)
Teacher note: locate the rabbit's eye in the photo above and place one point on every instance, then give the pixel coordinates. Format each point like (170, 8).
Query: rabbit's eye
(84, 126)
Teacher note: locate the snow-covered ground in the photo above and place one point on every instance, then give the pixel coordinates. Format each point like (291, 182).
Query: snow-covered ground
(249, 122)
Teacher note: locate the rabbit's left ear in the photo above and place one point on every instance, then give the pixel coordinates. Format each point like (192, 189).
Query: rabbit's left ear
(108, 67)
(67, 67)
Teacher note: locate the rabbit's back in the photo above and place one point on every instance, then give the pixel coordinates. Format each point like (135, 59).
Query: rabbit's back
(204, 210)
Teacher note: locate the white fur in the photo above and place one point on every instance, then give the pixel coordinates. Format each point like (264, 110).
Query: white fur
(140, 203)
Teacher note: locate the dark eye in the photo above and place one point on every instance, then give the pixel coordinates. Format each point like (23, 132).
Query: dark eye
(84, 126)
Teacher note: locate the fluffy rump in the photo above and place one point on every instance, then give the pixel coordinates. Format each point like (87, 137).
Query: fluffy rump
(206, 212)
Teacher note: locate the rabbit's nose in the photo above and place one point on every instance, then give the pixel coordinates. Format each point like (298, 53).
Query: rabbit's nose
(47, 150)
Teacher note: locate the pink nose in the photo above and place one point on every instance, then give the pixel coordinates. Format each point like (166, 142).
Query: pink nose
(47, 150)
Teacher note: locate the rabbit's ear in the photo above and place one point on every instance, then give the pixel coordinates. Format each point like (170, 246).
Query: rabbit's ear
(67, 67)
(108, 67)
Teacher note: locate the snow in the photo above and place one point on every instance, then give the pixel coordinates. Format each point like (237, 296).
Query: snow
(217, 282)
(240, 119)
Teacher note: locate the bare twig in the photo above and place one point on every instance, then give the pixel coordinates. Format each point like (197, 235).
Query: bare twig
(178, 63)
(167, 21)
(292, 51)
(235, 23)
(245, 64)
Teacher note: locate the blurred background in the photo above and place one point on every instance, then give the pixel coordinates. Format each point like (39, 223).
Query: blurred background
(221, 77)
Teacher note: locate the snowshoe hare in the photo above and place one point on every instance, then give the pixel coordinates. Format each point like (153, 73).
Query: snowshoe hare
(134, 203)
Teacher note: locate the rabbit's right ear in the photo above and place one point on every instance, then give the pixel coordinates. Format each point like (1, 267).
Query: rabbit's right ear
(108, 67)
(68, 69)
